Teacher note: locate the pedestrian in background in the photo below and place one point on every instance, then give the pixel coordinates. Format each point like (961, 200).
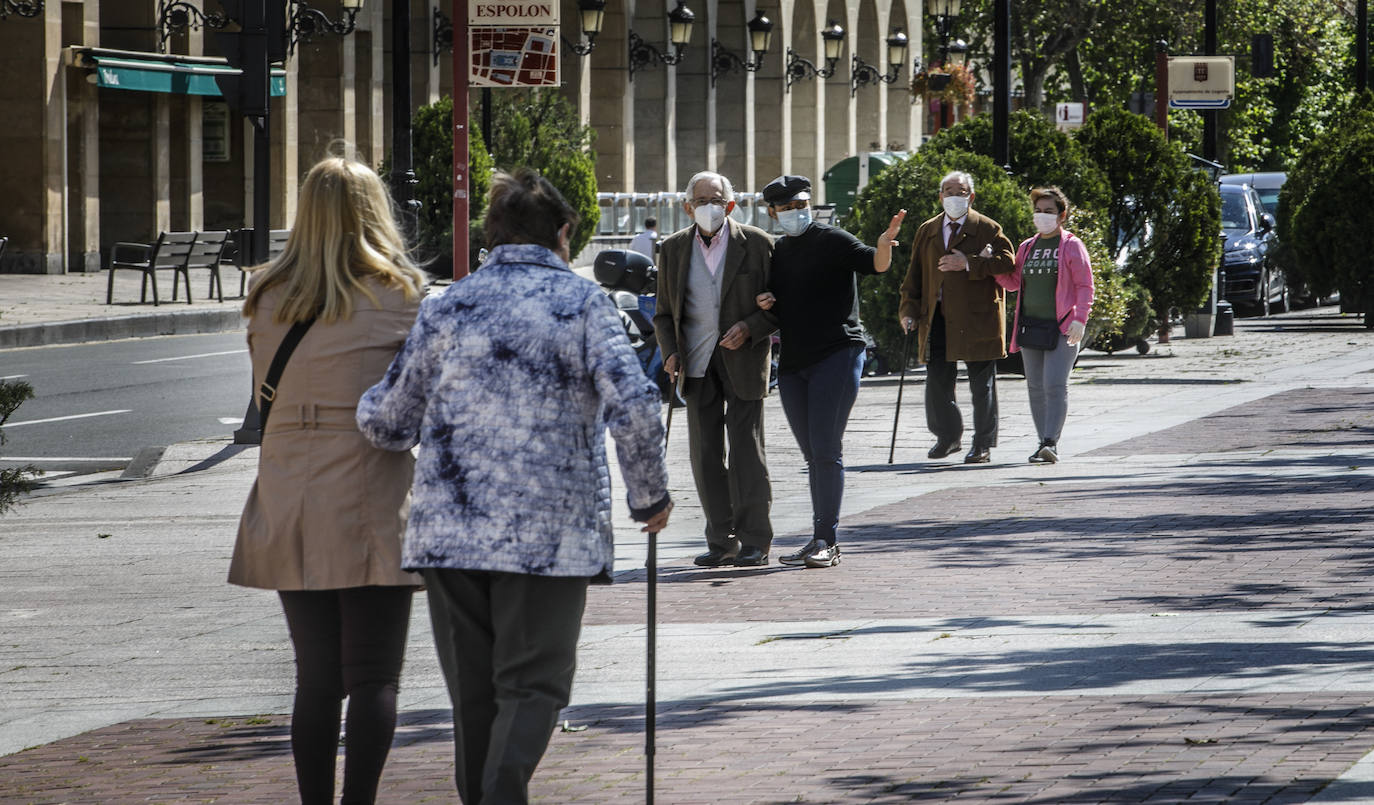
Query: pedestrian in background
(508, 382)
(646, 241)
(951, 297)
(1055, 280)
(814, 291)
(324, 519)
(709, 277)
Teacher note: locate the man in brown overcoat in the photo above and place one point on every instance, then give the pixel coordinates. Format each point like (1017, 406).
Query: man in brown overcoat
(951, 295)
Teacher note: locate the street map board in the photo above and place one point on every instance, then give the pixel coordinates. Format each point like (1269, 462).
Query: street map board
(513, 56)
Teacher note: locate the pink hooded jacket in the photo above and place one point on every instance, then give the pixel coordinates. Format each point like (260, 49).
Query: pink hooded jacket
(1073, 295)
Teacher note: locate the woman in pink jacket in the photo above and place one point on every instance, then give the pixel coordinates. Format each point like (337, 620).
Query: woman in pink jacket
(1055, 281)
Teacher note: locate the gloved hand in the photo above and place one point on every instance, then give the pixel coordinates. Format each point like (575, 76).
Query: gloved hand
(1075, 332)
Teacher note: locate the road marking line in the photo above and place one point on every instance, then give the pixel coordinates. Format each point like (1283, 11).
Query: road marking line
(11, 377)
(61, 458)
(231, 420)
(63, 418)
(189, 357)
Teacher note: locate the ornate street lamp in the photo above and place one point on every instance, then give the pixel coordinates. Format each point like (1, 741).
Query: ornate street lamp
(593, 13)
(760, 36)
(832, 39)
(24, 8)
(861, 73)
(306, 23)
(643, 54)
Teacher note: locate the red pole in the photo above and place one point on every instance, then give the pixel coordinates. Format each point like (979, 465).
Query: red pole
(460, 139)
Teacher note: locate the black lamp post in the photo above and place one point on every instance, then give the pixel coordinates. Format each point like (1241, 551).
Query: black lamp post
(760, 37)
(861, 74)
(832, 39)
(643, 54)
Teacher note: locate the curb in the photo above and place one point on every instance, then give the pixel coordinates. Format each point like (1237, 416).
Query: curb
(141, 325)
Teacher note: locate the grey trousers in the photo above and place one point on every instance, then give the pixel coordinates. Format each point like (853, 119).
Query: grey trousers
(507, 644)
(735, 492)
(1047, 381)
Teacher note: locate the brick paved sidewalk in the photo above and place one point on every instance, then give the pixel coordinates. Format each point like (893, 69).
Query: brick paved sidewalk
(1275, 522)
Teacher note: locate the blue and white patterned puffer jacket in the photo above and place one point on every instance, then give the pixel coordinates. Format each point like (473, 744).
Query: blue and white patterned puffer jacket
(508, 382)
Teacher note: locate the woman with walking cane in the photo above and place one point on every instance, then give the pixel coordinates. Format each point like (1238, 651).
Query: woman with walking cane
(323, 522)
(508, 382)
(814, 292)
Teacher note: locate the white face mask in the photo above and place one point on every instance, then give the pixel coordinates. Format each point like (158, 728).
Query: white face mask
(709, 217)
(956, 207)
(1046, 222)
(794, 222)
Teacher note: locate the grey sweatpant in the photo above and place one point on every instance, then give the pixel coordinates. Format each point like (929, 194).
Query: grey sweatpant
(1047, 381)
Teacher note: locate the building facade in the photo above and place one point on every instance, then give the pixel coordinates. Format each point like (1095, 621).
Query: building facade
(116, 133)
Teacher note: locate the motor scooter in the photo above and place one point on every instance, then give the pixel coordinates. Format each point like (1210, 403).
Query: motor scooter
(630, 280)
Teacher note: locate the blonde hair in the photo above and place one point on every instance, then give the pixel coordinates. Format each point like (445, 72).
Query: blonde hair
(344, 234)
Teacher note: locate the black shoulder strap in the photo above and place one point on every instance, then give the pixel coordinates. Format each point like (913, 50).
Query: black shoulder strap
(268, 390)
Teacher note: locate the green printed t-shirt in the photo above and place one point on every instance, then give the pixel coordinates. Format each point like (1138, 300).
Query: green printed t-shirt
(1040, 279)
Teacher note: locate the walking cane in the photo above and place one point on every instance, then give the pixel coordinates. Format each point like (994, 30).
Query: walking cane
(906, 349)
(650, 703)
(651, 670)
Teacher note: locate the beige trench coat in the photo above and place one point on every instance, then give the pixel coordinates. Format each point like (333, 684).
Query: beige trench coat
(328, 509)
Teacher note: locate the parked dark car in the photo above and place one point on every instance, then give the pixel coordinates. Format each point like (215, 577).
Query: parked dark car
(1249, 276)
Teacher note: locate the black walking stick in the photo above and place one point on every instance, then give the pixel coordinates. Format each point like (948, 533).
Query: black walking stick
(650, 703)
(651, 670)
(906, 349)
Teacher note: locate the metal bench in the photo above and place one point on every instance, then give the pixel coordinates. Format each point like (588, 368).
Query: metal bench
(206, 253)
(168, 253)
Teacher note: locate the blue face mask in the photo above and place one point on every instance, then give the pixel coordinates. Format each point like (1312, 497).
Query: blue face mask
(794, 222)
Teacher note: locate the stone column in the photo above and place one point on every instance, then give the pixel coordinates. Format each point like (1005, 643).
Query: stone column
(84, 227)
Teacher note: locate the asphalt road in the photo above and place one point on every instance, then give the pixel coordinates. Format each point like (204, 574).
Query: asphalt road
(97, 405)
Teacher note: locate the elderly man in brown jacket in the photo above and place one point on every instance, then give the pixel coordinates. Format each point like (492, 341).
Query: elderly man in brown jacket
(951, 294)
(711, 329)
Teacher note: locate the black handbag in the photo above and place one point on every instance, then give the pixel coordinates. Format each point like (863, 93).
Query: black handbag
(1036, 333)
(267, 392)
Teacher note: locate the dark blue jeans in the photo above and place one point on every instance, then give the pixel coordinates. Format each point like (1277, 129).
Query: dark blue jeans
(817, 401)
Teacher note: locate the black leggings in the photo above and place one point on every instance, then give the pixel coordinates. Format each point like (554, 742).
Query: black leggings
(349, 642)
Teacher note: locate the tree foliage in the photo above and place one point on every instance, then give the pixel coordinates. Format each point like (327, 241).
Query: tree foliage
(1102, 52)
(14, 481)
(432, 141)
(1323, 206)
(539, 128)
(1040, 155)
(914, 184)
(1159, 204)
(533, 128)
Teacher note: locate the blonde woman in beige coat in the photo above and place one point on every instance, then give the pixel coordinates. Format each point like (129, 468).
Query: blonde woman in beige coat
(324, 520)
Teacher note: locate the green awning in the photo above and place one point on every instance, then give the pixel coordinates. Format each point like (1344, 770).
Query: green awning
(180, 78)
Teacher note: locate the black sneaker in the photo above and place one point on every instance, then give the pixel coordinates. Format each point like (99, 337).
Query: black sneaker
(827, 556)
(799, 557)
(1047, 454)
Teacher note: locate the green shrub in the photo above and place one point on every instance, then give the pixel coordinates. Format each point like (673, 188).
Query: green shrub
(1040, 155)
(1160, 203)
(16, 480)
(1324, 210)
